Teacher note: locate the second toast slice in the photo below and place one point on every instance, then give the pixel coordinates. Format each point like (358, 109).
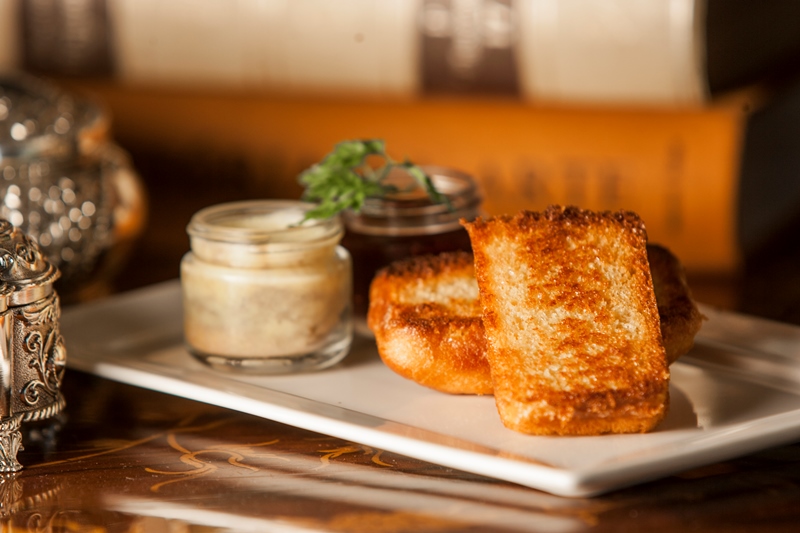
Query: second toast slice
(426, 317)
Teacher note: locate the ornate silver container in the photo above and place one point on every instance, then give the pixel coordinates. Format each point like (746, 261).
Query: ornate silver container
(32, 353)
(66, 184)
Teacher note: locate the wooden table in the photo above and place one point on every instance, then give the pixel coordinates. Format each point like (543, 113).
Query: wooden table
(123, 458)
(127, 459)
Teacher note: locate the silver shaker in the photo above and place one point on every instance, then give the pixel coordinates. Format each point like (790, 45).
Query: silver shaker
(32, 354)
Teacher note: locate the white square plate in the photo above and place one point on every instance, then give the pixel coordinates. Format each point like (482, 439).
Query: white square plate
(738, 391)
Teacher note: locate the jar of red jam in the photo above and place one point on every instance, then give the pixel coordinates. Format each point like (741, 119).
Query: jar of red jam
(407, 223)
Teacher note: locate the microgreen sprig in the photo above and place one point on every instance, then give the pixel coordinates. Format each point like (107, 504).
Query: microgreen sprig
(344, 179)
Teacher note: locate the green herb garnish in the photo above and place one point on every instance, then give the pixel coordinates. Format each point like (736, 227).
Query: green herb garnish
(344, 179)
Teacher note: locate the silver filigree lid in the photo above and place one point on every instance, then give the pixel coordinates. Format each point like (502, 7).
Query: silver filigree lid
(25, 273)
(40, 121)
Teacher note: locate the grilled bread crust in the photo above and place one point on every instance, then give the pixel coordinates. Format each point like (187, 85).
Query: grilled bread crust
(680, 318)
(570, 317)
(426, 318)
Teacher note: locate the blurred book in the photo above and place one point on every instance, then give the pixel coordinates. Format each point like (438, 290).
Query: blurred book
(580, 51)
(603, 103)
(678, 168)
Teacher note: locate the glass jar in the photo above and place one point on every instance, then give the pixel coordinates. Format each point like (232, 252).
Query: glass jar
(264, 293)
(405, 224)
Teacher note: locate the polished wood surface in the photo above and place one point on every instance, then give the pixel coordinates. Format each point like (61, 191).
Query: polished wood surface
(128, 459)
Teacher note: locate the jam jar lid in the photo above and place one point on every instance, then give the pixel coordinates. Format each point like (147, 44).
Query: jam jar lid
(23, 267)
(410, 212)
(40, 121)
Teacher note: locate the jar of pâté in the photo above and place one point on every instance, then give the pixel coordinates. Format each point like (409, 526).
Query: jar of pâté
(264, 290)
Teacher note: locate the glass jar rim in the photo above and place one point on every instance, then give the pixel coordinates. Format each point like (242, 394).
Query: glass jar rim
(458, 187)
(219, 223)
(412, 213)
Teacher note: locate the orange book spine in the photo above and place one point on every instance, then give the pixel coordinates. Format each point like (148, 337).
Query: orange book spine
(677, 168)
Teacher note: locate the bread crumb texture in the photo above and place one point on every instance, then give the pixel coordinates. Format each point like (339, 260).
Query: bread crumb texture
(570, 317)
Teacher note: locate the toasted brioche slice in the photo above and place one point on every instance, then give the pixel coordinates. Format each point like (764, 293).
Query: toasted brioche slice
(570, 317)
(678, 313)
(426, 317)
(425, 314)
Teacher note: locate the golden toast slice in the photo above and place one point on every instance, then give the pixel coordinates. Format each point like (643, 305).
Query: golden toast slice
(570, 317)
(426, 317)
